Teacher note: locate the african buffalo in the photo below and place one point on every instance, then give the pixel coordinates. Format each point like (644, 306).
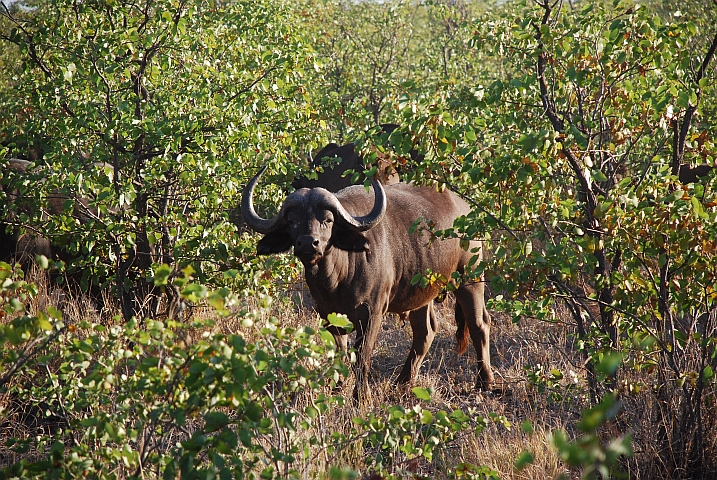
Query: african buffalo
(332, 176)
(23, 247)
(359, 259)
(13, 245)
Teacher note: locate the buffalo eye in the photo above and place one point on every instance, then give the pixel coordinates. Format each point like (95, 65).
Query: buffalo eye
(326, 220)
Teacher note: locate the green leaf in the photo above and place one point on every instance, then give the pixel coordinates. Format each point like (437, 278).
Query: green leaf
(707, 373)
(339, 320)
(470, 135)
(593, 417)
(311, 412)
(217, 299)
(524, 459)
(194, 292)
(528, 142)
(697, 208)
(598, 176)
(57, 450)
(674, 196)
(422, 393)
(54, 313)
(89, 422)
(254, 412)
(336, 473)
(161, 275)
(69, 72)
(6, 270)
(16, 304)
(580, 139)
(609, 363)
(44, 324)
(215, 421)
(42, 261)
(527, 427)
(327, 338)
(426, 416)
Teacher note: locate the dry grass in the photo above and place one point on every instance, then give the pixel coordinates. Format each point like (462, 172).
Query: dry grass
(452, 379)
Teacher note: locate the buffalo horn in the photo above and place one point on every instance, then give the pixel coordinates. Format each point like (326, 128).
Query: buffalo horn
(252, 219)
(365, 222)
(261, 225)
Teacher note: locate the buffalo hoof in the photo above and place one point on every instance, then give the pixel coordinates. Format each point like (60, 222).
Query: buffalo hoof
(492, 390)
(403, 379)
(484, 386)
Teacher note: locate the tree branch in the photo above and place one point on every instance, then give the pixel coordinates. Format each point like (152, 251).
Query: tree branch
(681, 135)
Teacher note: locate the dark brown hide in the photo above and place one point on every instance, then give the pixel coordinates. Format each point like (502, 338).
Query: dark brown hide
(368, 274)
(331, 177)
(690, 174)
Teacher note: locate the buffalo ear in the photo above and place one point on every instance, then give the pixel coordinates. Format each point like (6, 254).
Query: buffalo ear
(350, 240)
(275, 242)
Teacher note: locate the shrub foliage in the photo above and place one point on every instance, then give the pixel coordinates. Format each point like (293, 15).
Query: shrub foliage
(580, 132)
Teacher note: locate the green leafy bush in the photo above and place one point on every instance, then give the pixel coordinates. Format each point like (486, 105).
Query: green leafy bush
(135, 399)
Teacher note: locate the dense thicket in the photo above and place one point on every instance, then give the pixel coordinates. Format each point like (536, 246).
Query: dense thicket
(576, 130)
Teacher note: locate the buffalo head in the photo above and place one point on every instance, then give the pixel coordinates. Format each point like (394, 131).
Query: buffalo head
(312, 221)
(332, 177)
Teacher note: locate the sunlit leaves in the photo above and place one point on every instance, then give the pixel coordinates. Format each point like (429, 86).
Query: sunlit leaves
(179, 98)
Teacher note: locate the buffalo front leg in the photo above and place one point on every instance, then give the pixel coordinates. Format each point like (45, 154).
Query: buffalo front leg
(342, 347)
(423, 325)
(367, 325)
(472, 314)
(340, 337)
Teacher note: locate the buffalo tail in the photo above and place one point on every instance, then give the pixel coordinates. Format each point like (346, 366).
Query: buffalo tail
(462, 332)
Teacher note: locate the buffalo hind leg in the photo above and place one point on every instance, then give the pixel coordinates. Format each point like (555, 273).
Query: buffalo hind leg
(423, 325)
(473, 319)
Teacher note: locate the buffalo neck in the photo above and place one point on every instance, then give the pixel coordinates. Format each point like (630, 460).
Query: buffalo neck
(332, 270)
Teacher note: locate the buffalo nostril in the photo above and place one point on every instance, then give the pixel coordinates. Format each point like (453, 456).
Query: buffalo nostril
(307, 244)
